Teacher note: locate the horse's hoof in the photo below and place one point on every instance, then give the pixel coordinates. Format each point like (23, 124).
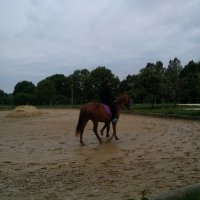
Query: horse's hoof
(82, 143)
(109, 140)
(116, 138)
(100, 140)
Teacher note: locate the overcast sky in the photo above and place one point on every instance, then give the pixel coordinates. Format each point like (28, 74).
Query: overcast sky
(39, 38)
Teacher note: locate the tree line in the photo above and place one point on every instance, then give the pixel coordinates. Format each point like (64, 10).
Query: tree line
(153, 84)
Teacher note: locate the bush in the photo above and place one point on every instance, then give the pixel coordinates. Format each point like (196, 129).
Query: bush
(23, 99)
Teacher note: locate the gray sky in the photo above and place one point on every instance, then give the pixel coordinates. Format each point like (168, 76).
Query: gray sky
(39, 38)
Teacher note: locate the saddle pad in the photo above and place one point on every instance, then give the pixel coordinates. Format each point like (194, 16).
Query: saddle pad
(107, 109)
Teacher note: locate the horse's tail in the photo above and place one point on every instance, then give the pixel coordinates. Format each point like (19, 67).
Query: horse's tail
(81, 122)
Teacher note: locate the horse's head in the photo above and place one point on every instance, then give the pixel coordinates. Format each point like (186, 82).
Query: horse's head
(127, 103)
(124, 100)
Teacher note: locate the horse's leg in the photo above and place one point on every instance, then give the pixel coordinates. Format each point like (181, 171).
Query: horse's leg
(114, 125)
(115, 130)
(82, 129)
(95, 125)
(103, 128)
(108, 129)
(106, 125)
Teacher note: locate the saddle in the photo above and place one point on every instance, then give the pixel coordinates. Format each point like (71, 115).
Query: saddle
(107, 109)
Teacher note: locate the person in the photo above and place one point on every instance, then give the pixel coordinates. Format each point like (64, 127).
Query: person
(106, 97)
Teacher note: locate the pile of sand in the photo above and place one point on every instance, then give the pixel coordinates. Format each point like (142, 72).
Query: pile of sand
(24, 111)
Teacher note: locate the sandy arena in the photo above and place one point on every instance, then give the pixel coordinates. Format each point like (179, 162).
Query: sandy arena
(40, 157)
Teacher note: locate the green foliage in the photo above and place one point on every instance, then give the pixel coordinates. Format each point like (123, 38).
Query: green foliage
(85, 84)
(97, 76)
(157, 84)
(61, 99)
(190, 82)
(24, 93)
(2, 93)
(129, 84)
(151, 82)
(61, 84)
(78, 85)
(192, 197)
(5, 99)
(25, 87)
(172, 79)
(154, 84)
(46, 92)
(181, 111)
(23, 99)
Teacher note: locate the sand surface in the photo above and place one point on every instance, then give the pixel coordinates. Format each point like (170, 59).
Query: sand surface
(40, 157)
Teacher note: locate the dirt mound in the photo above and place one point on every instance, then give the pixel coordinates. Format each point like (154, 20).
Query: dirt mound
(24, 111)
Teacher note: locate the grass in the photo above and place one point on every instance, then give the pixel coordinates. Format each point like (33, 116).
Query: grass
(6, 107)
(11, 107)
(68, 106)
(159, 110)
(193, 195)
(167, 110)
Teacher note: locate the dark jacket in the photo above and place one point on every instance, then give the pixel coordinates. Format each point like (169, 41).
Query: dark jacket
(107, 97)
(105, 94)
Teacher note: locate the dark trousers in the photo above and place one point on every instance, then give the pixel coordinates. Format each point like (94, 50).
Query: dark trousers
(113, 110)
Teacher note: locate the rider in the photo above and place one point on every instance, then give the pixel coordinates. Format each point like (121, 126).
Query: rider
(106, 97)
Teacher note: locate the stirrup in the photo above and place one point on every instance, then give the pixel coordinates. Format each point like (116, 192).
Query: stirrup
(115, 120)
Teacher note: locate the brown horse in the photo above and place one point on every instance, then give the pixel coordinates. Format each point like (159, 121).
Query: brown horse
(96, 113)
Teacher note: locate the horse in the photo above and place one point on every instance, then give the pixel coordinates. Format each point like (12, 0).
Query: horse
(96, 113)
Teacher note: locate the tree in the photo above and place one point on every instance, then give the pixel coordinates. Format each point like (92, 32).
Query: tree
(85, 85)
(77, 83)
(24, 93)
(190, 82)
(2, 95)
(97, 76)
(151, 81)
(172, 75)
(62, 88)
(26, 87)
(60, 83)
(46, 92)
(129, 86)
(21, 98)
(4, 98)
